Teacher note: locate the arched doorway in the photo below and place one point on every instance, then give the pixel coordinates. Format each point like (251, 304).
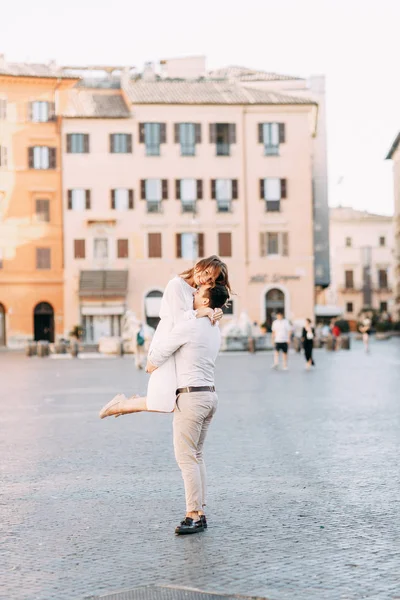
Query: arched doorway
(274, 301)
(43, 322)
(152, 307)
(2, 325)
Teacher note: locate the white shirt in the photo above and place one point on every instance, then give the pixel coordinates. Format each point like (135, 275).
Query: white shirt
(281, 329)
(196, 344)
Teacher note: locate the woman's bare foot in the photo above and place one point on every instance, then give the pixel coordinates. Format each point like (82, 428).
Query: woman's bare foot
(121, 405)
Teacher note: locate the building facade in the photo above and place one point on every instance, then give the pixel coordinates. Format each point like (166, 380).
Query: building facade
(361, 262)
(31, 247)
(163, 171)
(394, 155)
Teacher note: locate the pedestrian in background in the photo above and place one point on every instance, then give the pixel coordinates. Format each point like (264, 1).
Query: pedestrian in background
(140, 349)
(281, 331)
(335, 330)
(366, 332)
(307, 337)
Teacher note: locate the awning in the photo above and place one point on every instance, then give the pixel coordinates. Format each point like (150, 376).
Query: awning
(107, 310)
(328, 310)
(103, 283)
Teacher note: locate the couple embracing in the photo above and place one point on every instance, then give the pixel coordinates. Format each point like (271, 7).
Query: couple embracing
(181, 361)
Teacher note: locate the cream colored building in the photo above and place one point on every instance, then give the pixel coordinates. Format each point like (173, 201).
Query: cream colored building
(361, 262)
(163, 171)
(394, 154)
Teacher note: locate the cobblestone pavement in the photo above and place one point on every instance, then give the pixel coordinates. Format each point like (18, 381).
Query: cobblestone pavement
(303, 469)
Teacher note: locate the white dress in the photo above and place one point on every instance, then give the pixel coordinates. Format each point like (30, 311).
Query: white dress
(176, 305)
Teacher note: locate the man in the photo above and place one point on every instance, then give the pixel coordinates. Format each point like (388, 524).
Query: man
(196, 343)
(281, 331)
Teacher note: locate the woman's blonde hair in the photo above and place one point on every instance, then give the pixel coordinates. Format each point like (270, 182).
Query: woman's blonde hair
(218, 269)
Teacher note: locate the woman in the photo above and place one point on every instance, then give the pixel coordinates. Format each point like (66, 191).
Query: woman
(176, 304)
(308, 343)
(365, 329)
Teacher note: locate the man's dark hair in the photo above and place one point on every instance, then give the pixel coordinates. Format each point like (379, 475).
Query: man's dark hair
(279, 312)
(218, 295)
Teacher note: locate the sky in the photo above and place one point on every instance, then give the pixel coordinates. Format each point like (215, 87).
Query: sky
(354, 43)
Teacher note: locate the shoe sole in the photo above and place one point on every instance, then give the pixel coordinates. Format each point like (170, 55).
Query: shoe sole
(189, 532)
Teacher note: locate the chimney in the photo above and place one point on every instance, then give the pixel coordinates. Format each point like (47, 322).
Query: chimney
(149, 73)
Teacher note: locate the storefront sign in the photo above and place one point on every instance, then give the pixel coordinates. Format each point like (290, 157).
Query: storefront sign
(274, 278)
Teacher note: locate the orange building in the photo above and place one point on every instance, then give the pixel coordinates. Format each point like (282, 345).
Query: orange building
(31, 242)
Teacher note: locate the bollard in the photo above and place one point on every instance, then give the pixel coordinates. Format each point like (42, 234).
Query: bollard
(30, 349)
(329, 343)
(43, 348)
(74, 348)
(345, 343)
(251, 345)
(60, 347)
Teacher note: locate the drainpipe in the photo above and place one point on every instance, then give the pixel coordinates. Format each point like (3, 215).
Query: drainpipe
(58, 130)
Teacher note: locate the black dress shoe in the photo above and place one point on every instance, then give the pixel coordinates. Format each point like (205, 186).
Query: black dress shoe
(188, 525)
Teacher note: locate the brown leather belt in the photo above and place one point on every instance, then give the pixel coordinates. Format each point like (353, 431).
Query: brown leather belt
(201, 388)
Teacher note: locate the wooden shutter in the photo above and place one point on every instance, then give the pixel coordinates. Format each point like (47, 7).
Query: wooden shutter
(213, 189)
(197, 130)
(79, 249)
(129, 143)
(86, 143)
(200, 241)
(262, 197)
(178, 246)
(130, 199)
(261, 133)
(225, 244)
(232, 133)
(30, 158)
(234, 189)
(199, 185)
(87, 199)
(69, 142)
(178, 189)
(141, 133)
(164, 187)
(143, 189)
(263, 244)
(52, 111)
(52, 158)
(122, 249)
(163, 133)
(282, 133)
(111, 142)
(177, 131)
(213, 133)
(69, 199)
(283, 188)
(285, 244)
(154, 244)
(113, 199)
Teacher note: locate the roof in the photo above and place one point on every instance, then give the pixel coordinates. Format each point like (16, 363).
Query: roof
(103, 283)
(50, 71)
(394, 147)
(204, 91)
(89, 104)
(346, 213)
(246, 74)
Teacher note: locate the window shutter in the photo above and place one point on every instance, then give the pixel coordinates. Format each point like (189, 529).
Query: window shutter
(86, 143)
(52, 158)
(213, 133)
(178, 246)
(87, 199)
(225, 244)
(213, 189)
(30, 158)
(130, 199)
(154, 244)
(69, 142)
(112, 199)
(234, 189)
(129, 142)
(262, 196)
(281, 133)
(232, 133)
(122, 249)
(177, 130)
(163, 133)
(285, 244)
(79, 248)
(52, 111)
(200, 241)
(143, 189)
(111, 142)
(30, 111)
(263, 244)
(141, 133)
(164, 189)
(69, 199)
(199, 185)
(283, 188)
(178, 189)
(261, 133)
(197, 129)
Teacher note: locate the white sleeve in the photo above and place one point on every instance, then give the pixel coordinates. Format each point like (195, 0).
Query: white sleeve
(177, 302)
(179, 335)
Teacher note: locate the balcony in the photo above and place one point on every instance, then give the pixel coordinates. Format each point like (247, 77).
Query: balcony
(224, 206)
(271, 150)
(189, 206)
(223, 149)
(154, 206)
(344, 289)
(273, 205)
(382, 290)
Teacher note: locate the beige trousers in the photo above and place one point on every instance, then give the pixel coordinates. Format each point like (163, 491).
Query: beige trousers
(192, 416)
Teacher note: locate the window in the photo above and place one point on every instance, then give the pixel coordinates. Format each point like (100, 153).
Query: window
(382, 241)
(274, 244)
(188, 191)
(154, 191)
(189, 245)
(42, 157)
(122, 249)
(3, 156)
(121, 199)
(383, 279)
(188, 135)
(43, 258)
(120, 143)
(154, 245)
(349, 242)
(41, 112)
(3, 108)
(224, 191)
(100, 248)
(225, 244)
(43, 210)
(271, 135)
(383, 307)
(349, 280)
(349, 307)
(272, 190)
(79, 199)
(77, 143)
(79, 249)
(228, 310)
(223, 135)
(152, 135)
